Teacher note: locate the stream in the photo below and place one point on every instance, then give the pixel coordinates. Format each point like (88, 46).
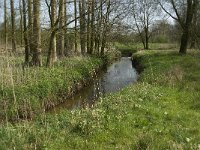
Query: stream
(117, 76)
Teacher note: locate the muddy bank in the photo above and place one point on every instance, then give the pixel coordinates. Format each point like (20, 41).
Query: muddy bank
(136, 61)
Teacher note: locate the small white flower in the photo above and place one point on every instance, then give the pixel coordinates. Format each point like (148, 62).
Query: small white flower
(188, 140)
(166, 113)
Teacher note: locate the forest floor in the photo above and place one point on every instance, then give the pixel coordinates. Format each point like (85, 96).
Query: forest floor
(162, 111)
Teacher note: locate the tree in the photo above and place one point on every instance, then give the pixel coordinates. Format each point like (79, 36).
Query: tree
(82, 25)
(36, 59)
(195, 27)
(144, 13)
(5, 25)
(30, 25)
(61, 35)
(88, 25)
(75, 27)
(184, 18)
(105, 26)
(52, 54)
(12, 11)
(24, 4)
(21, 22)
(92, 26)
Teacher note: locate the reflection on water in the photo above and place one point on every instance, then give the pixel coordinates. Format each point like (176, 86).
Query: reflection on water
(117, 76)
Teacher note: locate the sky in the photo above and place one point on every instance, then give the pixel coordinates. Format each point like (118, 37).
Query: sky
(44, 16)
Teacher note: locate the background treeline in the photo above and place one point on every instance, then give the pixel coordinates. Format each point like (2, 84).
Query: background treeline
(59, 28)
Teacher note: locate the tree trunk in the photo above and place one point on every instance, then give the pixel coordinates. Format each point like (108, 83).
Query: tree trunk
(52, 55)
(5, 25)
(184, 41)
(66, 39)
(21, 23)
(12, 11)
(30, 25)
(146, 38)
(88, 27)
(105, 30)
(36, 60)
(75, 27)
(61, 36)
(82, 26)
(25, 33)
(191, 7)
(51, 47)
(92, 27)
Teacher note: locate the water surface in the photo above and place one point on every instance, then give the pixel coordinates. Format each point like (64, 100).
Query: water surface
(119, 75)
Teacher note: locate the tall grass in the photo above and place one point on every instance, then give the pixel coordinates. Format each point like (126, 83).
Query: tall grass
(29, 90)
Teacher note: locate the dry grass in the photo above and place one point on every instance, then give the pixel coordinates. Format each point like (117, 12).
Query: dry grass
(174, 75)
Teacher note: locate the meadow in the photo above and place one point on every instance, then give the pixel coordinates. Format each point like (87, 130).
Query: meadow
(160, 112)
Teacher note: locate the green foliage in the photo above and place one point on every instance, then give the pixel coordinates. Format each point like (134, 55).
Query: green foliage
(126, 48)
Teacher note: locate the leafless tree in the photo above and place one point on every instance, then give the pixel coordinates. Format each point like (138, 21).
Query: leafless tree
(184, 18)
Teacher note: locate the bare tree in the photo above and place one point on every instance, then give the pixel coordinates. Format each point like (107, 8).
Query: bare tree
(61, 35)
(88, 25)
(144, 13)
(36, 59)
(75, 27)
(184, 20)
(92, 26)
(52, 55)
(12, 11)
(5, 25)
(82, 13)
(105, 26)
(21, 22)
(24, 10)
(30, 25)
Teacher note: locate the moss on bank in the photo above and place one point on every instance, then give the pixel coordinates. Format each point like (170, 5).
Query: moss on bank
(160, 112)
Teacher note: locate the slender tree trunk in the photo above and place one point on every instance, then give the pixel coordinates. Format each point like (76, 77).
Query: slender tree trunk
(88, 26)
(61, 36)
(82, 26)
(146, 38)
(25, 32)
(12, 11)
(37, 59)
(75, 33)
(66, 40)
(105, 30)
(5, 25)
(194, 30)
(21, 22)
(30, 25)
(92, 27)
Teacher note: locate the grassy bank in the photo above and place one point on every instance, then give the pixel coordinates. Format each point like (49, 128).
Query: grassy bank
(133, 48)
(162, 111)
(29, 91)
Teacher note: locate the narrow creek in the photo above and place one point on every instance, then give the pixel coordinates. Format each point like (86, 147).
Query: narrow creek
(117, 76)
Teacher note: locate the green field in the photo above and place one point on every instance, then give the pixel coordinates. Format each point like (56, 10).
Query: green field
(162, 111)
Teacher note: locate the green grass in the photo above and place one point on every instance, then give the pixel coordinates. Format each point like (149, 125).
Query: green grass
(133, 48)
(161, 111)
(29, 91)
